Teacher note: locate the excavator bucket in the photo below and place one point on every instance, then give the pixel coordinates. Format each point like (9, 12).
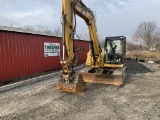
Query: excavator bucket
(116, 78)
(78, 85)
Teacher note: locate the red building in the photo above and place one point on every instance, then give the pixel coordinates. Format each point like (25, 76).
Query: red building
(22, 52)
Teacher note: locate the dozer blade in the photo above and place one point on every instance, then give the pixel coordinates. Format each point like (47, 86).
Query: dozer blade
(78, 85)
(116, 78)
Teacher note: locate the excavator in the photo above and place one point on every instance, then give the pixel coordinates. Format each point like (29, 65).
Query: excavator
(103, 65)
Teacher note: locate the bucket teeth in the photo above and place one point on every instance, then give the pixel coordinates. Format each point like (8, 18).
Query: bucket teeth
(78, 85)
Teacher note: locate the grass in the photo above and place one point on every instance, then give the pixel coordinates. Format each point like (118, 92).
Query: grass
(145, 55)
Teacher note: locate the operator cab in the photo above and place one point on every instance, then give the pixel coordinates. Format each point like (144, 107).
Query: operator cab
(115, 50)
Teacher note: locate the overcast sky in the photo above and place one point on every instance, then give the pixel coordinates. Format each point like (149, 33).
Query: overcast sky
(114, 17)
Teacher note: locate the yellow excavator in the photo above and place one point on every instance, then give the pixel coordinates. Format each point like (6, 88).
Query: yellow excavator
(104, 65)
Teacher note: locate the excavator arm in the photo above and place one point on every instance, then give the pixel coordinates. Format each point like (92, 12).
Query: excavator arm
(71, 8)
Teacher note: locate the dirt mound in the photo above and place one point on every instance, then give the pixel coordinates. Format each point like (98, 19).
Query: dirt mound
(135, 67)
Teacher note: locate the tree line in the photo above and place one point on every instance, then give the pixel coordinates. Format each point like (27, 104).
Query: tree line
(146, 37)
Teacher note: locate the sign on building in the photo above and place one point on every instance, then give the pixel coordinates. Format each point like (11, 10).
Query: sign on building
(51, 49)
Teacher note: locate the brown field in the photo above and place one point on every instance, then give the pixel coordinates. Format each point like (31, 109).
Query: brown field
(145, 55)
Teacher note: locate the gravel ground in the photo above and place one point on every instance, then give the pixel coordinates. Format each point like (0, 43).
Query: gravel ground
(137, 99)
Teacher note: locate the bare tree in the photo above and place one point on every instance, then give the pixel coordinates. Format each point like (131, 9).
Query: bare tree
(136, 39)
(28, 27)
(43, 29)
(57, 32)
(147, 31)
(84, 36)
(39, 28)
(101, 40)
(81, 37)
(157, 45)
(47, 30)
(131, 47)
(138, 42)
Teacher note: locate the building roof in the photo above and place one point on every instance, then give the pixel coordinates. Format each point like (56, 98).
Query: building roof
(21, 30)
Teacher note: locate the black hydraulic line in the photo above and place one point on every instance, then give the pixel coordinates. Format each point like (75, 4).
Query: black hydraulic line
(80, 1)
(92, 48)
